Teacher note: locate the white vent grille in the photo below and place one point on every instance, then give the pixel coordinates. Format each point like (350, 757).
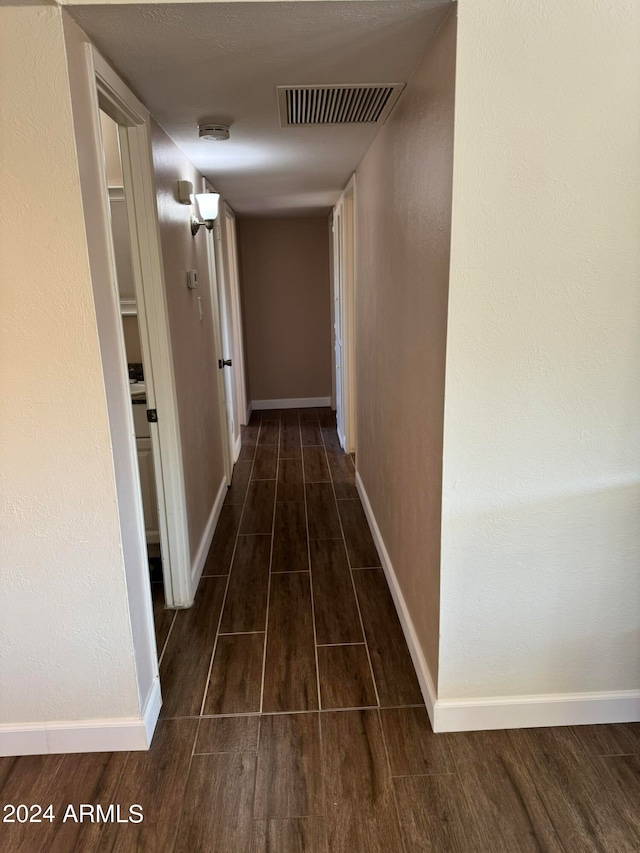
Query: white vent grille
(313, 105)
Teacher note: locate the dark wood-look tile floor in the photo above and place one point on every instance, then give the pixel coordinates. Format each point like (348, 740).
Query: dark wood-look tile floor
(292, 719)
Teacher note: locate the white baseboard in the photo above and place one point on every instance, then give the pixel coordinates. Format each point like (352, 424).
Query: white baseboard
(291, 403)
(124, 735)
(523, 712)
(207, 537)
(420, 664)
(499, 712)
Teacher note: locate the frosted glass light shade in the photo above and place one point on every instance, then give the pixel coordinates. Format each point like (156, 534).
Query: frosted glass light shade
(208, 205)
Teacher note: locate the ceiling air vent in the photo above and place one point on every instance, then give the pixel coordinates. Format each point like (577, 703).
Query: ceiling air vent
(340, 104)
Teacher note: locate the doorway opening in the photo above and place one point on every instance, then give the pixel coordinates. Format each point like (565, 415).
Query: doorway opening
(137, 370)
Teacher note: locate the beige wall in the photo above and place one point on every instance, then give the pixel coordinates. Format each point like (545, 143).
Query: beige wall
(287, 304)
(541, 486)
(403, 220)
(67, 650)
(192, 339)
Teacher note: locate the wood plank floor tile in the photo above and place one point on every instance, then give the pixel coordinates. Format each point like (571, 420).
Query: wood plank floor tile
(256, 418)
(316, 469)
(237, 491)
(258, 510)
(224, 539)
(327, 418)
(341, 466)
(290, 481)
(361, 814)
(334, 601)
(362, 552)
(185, 665)
(245, 608)
(413, 748)
(236, 675)
(345, 677)
(310, 432)
(269, 432)
(331, 440)
(265, 466)
(322, 512)
(162, 618)
(308, 414)
(227, 734)
(345, 490)
(392, 667)
(290, 447)
(434, 815)
(289, 417)
(58, 780)
(581, 808)
(216, 816)
(156, 780)
(272, 415)
(290, 682)
(290, 835)
(289, 772)
(503, 793)
(290, 549)
(619, 739)
(620, 776)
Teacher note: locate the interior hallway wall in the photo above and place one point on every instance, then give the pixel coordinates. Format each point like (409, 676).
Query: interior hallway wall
(541, 497)
(403, 222)
(192, 339)
(66, 651)
(287, 307)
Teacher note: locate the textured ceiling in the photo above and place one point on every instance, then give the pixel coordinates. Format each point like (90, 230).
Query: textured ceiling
(195, 62)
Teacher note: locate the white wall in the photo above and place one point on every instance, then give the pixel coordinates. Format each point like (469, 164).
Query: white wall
(66, 650)
(540, 588)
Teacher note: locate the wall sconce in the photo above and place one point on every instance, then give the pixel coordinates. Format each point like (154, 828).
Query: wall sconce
(207, 204)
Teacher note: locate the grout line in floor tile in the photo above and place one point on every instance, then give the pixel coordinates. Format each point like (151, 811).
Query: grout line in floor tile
(355, 594)
(273, 537)
(313, 604)
(238, 634)
(226, 589)
(166, 640)
(331, 645)
(391, 777)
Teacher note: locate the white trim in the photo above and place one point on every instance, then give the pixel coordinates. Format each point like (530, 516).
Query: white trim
(134, 135)
(499, 712)
(420, 664)
(557, 709)
(119, 735)
(207, 537)
(290, 403)
(151, 710)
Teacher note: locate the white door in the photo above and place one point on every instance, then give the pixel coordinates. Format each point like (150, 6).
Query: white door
(337, 321)
(234, 346)
(344, 317)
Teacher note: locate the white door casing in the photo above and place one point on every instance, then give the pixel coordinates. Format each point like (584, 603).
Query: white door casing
(344, 316)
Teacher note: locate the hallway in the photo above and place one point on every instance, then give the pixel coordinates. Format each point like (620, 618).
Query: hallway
(292, 718)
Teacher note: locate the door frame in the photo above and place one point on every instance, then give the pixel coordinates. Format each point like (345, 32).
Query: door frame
(111, 95)
(217, 302)
(234, 315)
(344, 283)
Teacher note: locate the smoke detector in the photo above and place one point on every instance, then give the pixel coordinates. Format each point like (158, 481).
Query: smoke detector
(213, 132)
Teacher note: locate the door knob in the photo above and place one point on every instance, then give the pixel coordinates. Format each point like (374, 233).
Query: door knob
(224, 363)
